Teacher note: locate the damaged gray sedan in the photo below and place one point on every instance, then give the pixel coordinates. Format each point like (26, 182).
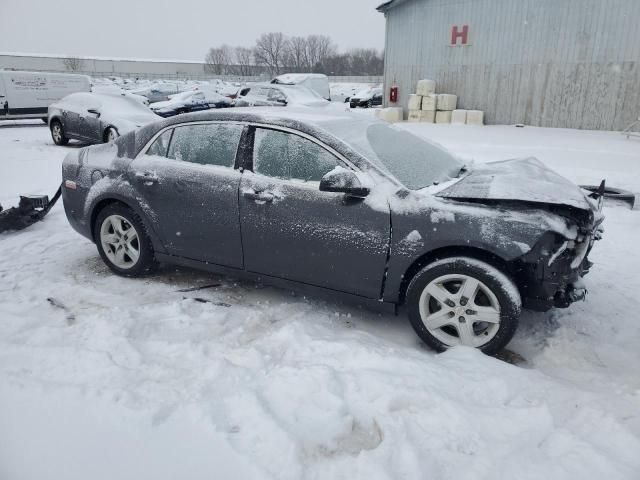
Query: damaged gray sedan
(340, 205)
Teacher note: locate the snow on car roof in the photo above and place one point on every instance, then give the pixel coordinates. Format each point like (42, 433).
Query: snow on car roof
(295, 78)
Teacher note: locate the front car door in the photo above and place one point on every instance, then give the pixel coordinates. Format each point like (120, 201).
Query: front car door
(292, 230)
(189, 180)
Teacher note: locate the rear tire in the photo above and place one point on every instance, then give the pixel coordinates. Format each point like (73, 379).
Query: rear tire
(57, 133)
(123, 242)
(110, 135)
(463, 301)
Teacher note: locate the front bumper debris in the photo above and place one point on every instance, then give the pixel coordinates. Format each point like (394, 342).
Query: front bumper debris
(570, 295)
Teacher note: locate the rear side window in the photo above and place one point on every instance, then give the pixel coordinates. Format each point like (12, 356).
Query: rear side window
(214, 144)
(288, 156)
(161, 145)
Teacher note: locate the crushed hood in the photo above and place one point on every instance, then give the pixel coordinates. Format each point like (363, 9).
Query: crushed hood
(526, 180)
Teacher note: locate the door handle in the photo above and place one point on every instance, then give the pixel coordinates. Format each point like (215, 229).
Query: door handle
(147, 178)
(259, 196)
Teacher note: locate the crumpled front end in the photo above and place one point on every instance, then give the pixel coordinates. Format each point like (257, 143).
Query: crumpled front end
(550, 275)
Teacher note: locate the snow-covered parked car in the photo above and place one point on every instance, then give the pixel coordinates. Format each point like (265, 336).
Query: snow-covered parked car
(317, 82)
(192, 101)
(96, 117)
(159, 91)
(116, 90)
(367, 98)
(308, 201)
(269, 95)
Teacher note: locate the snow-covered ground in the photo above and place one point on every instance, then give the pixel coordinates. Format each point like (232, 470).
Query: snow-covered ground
(133, 379)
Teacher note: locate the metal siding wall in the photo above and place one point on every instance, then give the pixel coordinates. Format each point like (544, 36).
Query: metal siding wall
(553, 63)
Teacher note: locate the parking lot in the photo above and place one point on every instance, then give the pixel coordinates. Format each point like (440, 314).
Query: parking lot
(254, 382)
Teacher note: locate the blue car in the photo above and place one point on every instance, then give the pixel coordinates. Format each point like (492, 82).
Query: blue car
(191, 101)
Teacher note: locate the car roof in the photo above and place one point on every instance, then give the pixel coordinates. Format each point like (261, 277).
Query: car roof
(328, 120)
(344, 131)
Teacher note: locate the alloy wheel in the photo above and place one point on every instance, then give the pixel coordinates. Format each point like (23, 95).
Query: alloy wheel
(56, 132)
(120, 241)
(458, 309)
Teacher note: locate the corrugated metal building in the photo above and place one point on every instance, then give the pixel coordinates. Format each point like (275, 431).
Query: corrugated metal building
(551, 63)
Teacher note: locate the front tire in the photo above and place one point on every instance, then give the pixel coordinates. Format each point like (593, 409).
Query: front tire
(122, 241)
(57, 133)
(463, 301)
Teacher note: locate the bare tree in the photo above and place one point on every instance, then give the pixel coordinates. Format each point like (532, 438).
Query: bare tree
(270, 51)
(243, 61)
(276, 53)
(366, 61)
(297, 54)
(218, 59)
(73, 64)
(319, 48)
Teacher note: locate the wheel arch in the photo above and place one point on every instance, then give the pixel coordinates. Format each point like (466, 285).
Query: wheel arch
(106, 131)
(101, 203)
(446, 252)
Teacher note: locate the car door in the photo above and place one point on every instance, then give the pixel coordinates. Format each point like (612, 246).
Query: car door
(292, 230)
(259, 97)
(276, 98)
(198, 102)
(91, 127)
(189, 180)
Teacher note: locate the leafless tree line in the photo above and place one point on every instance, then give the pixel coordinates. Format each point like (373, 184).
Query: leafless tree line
(73, 64)
(276, 53)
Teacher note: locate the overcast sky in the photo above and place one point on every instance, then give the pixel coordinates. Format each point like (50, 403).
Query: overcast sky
(178, 29)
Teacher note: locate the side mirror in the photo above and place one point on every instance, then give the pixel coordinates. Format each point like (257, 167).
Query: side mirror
(343, 181)
(94, 111)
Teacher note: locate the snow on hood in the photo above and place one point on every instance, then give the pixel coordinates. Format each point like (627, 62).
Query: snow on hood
(525, 179)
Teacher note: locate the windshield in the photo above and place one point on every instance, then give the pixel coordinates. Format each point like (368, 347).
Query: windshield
(417, 163)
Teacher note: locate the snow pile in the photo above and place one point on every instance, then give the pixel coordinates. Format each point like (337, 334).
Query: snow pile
(390, 114)
(130, 379)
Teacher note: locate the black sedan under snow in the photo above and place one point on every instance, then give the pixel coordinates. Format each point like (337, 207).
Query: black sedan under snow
(356, 208)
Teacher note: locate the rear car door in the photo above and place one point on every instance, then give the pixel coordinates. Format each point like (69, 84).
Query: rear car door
(292, 230)
(189, 180)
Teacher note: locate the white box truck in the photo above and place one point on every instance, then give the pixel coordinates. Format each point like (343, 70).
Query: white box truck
(29, 94)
